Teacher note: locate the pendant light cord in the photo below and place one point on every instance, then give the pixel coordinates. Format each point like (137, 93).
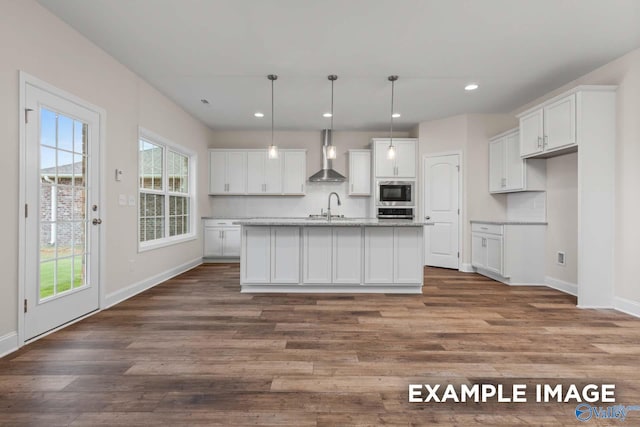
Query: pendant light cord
(272, 80)
(332, 80)
(392, 79)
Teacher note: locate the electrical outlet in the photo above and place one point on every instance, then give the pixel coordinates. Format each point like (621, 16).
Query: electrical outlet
(122, 200)
(132, 200)
(560, 258)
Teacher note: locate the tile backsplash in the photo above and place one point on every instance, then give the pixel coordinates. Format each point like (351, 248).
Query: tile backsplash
(527, 206)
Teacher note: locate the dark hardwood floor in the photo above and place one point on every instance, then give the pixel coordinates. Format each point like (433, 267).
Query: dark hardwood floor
(195, 351)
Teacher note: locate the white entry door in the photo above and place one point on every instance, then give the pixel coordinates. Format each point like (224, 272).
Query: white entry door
(441, 209)
(62, 212)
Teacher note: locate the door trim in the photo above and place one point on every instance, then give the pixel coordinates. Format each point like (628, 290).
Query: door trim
(25, 79)
(461, 198)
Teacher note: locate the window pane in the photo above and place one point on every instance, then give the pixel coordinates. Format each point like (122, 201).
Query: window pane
(47, 127)
(47, 279)
(178, 215)
(80, 137)
(65, 133)
(151, 163)
(178, 166)
(151, 216)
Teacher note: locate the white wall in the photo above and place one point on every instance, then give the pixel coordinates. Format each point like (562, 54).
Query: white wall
(469, 134)
(316, 198)
(562, 214)
(35, 41)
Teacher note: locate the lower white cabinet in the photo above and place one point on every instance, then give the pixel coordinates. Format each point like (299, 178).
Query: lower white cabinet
(317, 254)
(221, 239)
(347, 255)
(285, 254)
(510, 253)
(255, 261)
(393, 255)
(324, 258)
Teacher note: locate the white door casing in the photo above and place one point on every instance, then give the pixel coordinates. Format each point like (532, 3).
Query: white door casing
(60, 266)
(441, 181)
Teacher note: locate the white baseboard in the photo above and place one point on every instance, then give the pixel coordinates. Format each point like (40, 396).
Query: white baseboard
(562, 286)
(126, 293)
(466, 268)
(627, 306)
(8, 343)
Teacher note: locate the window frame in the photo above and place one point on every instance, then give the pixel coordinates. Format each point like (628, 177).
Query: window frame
(167, 145)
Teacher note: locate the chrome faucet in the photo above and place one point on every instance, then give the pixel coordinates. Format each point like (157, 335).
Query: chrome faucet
(329, 204)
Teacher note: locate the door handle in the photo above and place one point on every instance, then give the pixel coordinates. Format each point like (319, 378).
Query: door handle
(96, 221)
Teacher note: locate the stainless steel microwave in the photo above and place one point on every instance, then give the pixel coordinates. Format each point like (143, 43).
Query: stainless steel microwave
(395, 193)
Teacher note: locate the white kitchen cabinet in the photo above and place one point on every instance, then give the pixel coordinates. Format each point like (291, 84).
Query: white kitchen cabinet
(378, 255)
(359, 172)
(255, 259)
(294, 171)
(347, 255)
(549, 128)
(404, 163)
(508, 172)
(511, 253)
(408, 261)
(264, 175)
(285, 255)
(221, 239)
(317, 257)
(227, 172)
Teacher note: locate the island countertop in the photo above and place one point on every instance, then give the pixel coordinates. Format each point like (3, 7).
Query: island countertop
(335, 222)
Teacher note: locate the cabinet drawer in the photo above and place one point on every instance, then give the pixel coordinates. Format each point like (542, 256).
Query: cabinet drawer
(219, 223)
(487, 228)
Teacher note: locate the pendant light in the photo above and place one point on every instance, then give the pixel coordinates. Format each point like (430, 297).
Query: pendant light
(391, 151)
(273, 149)
(331, 149)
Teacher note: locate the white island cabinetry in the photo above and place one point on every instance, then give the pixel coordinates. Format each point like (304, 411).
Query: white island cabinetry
(361, 256)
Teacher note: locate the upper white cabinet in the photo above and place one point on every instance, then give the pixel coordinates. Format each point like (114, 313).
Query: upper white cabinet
(294, 171)
(549, 128)
(252, 172)
(359, 172)
(404, 163)
(227, 172)
(508, 172)
(264, 175)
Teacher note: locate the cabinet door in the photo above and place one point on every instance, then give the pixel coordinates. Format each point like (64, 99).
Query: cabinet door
(497, 165)
(408, 260)
(272, 175)
(385, 167)
(347, 255)
(231, 241)
(285, 255)
(359, 173)
(294, 169)
(531, 133)
(378, 255)
(236, 172)
(560, 123)
(217, 172)
(405, 159)
(514, 165)
(316, 254)
(493, 247)
(213, 241)
(478, 251)
(256, 172)
(256, 255)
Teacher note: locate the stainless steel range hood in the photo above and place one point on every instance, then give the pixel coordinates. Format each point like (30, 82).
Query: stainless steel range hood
(326, 174)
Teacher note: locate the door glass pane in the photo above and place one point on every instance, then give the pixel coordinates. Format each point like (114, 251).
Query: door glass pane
(63, 203)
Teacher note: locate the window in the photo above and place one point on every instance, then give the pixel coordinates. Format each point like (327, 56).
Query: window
(166, 188)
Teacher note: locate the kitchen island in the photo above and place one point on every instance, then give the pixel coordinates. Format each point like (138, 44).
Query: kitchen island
(338, 256)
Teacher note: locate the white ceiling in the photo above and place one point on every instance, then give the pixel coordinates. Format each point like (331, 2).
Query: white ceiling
(222, 50)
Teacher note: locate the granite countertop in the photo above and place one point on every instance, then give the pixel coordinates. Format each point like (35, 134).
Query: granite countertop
(336, 222)
(510, 222)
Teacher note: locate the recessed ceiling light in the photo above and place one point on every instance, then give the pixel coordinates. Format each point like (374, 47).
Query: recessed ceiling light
(205, 101)
(395, 115)
(326, 115)
(471, 86)
(259, 114)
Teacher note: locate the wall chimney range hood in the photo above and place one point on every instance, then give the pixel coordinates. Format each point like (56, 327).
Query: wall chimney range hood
(326, 174)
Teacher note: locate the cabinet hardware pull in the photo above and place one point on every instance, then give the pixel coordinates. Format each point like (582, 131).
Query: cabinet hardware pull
(352, 188)
(544, 141)
(539, 142)
(302, 188)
